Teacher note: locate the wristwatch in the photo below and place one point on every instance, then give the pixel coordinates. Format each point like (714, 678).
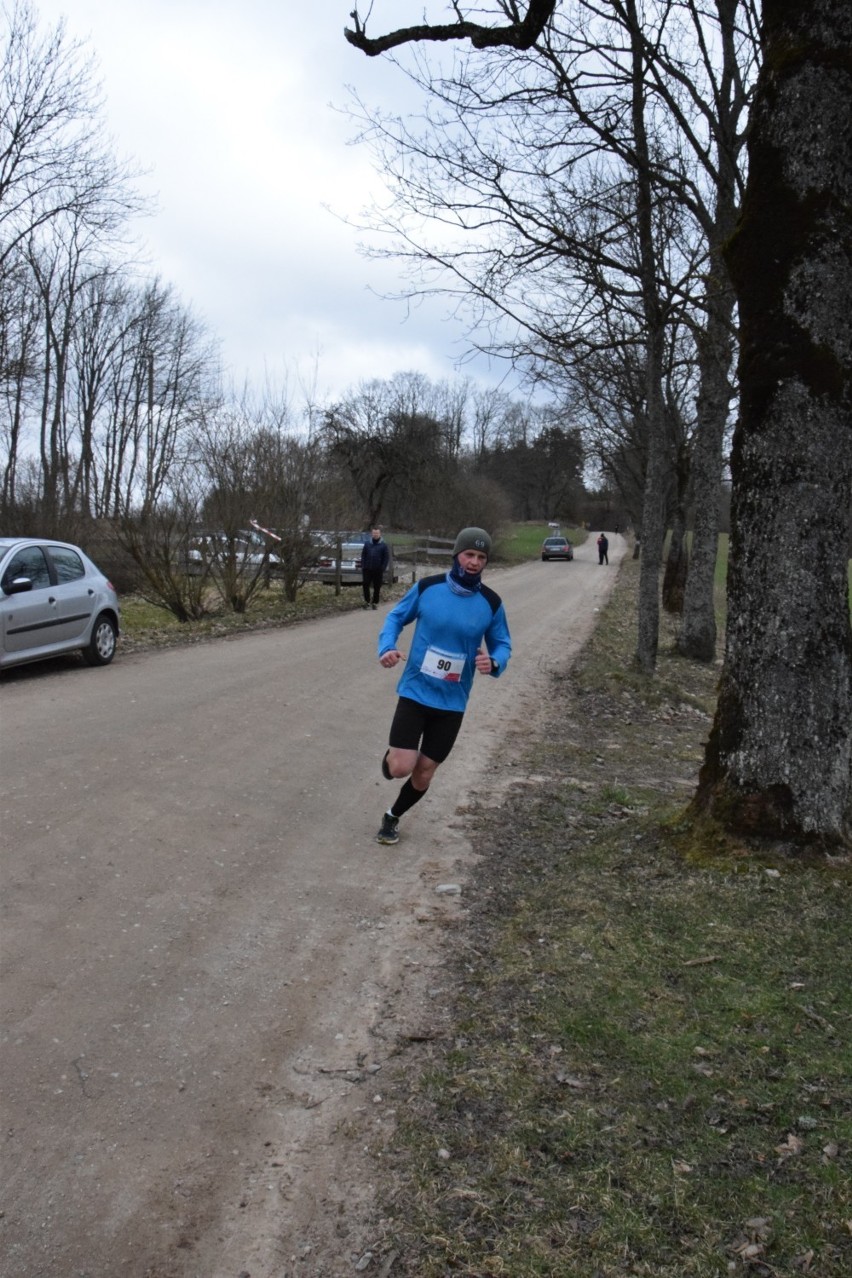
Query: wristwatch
(494, 666)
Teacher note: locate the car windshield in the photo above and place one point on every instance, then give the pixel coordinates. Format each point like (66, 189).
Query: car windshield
(555, 541)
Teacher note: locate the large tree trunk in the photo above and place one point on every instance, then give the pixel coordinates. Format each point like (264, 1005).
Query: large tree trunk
(778, 760)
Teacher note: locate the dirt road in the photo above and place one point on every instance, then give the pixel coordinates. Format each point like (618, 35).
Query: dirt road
(206, 956)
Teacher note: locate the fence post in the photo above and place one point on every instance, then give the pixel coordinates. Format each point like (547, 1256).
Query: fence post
(338, 571)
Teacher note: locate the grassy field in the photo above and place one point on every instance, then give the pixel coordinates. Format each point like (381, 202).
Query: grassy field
(645, 1066)
(143, 624)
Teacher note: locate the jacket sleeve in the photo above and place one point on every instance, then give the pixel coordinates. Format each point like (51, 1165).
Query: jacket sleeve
(404, 612)
(499, 642)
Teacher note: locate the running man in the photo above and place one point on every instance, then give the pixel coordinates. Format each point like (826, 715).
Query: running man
(455, 614)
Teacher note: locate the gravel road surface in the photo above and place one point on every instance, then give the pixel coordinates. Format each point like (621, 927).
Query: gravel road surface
(206, 958)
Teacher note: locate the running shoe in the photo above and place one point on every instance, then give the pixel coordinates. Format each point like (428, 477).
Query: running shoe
(389, 833)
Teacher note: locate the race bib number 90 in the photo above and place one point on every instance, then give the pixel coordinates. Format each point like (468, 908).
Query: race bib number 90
(443, 665)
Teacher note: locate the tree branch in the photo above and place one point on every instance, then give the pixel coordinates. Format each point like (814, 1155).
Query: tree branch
(520, 34)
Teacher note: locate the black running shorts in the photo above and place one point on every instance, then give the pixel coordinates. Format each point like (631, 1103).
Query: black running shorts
(418, 727)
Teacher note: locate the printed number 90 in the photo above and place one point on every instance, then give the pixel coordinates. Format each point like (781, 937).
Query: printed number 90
(443, 664)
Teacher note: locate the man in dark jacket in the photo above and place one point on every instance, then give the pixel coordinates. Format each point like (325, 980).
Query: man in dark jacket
(375, 557)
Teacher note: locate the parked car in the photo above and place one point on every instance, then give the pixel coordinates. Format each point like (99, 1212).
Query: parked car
(557, 548)
(323, 564)
(53, 599)
(324, 568)
(350, 562)
(248, 550)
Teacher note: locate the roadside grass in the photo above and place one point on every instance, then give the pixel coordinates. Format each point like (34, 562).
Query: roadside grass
(645, 1065)
(145, 625)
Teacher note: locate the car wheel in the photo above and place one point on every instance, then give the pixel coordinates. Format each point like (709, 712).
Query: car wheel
(100, 649)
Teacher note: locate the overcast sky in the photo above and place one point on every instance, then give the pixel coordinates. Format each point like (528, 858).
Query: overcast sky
(229, 105)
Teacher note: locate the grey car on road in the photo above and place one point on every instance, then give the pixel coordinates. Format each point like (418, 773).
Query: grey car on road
(53, 600)
(557, 548)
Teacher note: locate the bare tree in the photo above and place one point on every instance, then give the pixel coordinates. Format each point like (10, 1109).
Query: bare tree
(100, 331)
(653, 505)
(53, 158)
(64, 205)
(117, 377)
(232, 466)
(779, 759)
(20, 333)
(158, 540)
(598, 135)
(61, 264)
(521, 32)
(488, 409)
(291, 468)
(386, 440)
(709, 102)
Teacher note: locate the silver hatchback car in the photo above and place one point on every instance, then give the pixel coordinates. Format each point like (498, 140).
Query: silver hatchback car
(53, 599)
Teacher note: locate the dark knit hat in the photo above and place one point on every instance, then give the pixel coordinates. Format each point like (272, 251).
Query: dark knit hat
(473, 539)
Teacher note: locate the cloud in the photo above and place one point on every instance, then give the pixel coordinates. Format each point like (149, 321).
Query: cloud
(231, 108)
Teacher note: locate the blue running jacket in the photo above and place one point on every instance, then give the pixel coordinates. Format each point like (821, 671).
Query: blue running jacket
(450, 629)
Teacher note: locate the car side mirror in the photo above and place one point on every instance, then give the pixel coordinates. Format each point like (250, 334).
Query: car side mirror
(18, 586)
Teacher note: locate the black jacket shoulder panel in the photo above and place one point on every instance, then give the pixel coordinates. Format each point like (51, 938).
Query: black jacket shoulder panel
(490, 596)
(494, 600)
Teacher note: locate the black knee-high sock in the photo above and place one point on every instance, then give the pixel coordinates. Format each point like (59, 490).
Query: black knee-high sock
(406, 799)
